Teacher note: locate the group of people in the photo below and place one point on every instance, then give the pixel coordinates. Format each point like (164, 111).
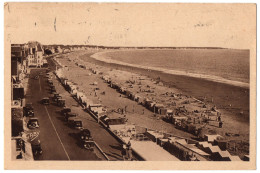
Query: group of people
(127, 152)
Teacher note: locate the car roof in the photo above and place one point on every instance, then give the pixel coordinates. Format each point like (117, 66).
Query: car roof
(74, 118)
(33, 119)
(85, 130)
(72, 113)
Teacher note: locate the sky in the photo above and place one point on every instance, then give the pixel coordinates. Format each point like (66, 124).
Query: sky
(143, 24)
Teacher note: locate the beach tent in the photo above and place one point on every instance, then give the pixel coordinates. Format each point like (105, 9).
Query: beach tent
(79, 94)
(178, 119)
(136, 97)
(122, 90)
(151, 106)
(158, 107)
(169, 112)
(96, 110)
(65, 80)
(93, 105)
(74, 92)
(88, 103)
(147, 102)
(83, 101)
(128, 93)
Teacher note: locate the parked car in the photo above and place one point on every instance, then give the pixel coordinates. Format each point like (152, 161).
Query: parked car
(55, 99)
(46, 101)
(33, 123)
(52, 87)
(61, 102)
(68, 115)
(74, 122)
(36, 147)
(28, 110)
(65, 110)
(86, 139)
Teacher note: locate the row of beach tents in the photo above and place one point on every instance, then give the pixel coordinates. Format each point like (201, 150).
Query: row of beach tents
(89, 105)
(153, 106)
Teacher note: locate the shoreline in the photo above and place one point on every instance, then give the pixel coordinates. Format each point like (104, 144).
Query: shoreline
(101, 57)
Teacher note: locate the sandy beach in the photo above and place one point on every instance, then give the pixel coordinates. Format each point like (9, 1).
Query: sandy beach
(227, 96)
(87, 83)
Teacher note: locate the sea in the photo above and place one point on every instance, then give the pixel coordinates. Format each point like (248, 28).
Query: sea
(230, 64)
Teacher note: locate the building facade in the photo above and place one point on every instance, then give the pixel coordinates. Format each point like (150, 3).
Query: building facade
(35, 54)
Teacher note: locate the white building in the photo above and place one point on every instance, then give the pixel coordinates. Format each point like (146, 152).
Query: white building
(35, 54)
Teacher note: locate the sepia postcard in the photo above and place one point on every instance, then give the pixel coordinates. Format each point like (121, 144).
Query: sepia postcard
(140, 86)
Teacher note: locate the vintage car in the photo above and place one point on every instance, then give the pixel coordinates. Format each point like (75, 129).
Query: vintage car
(65, 110)
(36, 146)
(68, 115)
(54, 93)
(56, 96)
(28, 110)
(46, 101)
(50, 81)
(74, 122)
(86, 139)
(61, 102)
(52, 87)
(55, 99)
(33, 123)
(53, 90)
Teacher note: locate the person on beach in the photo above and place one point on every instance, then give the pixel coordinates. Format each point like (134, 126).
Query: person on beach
(123, 152)
(220, 124)
(125, 108)
(130, 153)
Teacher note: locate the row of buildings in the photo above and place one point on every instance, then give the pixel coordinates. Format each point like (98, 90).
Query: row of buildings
(23, 57)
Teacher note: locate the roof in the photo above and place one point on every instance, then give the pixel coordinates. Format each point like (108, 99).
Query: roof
(144, 148)
(16, 49)
(212, 137)
(234, 158)
(32, 44)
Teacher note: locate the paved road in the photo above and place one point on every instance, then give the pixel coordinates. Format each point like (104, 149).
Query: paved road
(57, 139)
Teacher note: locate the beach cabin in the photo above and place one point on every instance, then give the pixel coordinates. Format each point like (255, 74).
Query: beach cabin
(79, 95)
(179, 119)
(115, 119)
(157, 108)
(128, 93)
(181, 110)
(162, 111)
